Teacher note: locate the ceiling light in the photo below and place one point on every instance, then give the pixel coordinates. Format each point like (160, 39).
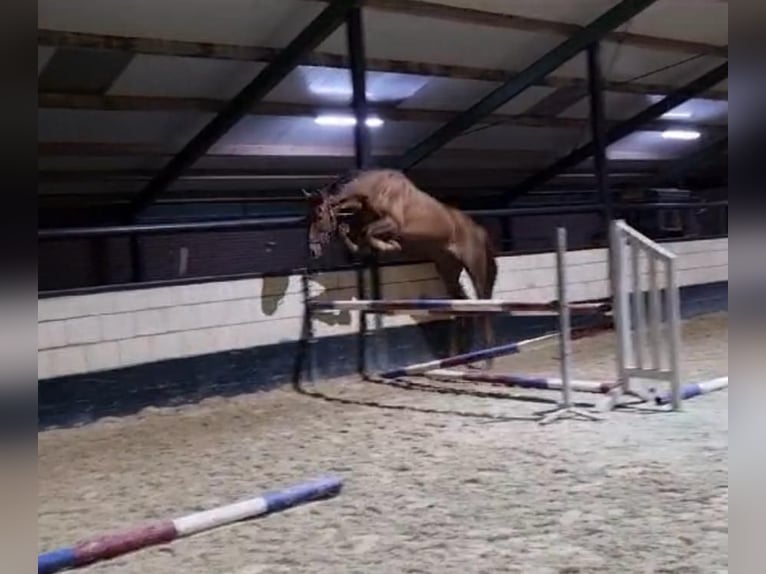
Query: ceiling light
(677, 115)
(681, 134)
(344, 121)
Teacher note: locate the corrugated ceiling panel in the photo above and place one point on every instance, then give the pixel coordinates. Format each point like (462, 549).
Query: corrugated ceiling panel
(703, 20)
(310, 84)
(458, 95)
(111, 126)
(694, 20)
(285, 131)
(525, 100)
(623, 63)
(519, 137)
(448, 94)
(74, 70)
(579, 12)
(617, 106)
(621, 106)
(254, 22)
(406, 37)
(185, 77)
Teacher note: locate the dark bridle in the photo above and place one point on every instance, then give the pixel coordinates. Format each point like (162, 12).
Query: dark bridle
(323, 219)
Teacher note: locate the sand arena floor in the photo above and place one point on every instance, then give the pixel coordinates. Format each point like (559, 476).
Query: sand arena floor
(434, 482)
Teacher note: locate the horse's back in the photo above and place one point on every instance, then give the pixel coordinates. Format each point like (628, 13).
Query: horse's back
(392, 192)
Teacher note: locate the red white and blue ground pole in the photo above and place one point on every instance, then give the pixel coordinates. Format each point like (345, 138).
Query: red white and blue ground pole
(105, 547)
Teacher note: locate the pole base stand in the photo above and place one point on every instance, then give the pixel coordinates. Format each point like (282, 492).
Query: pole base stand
(562, 411)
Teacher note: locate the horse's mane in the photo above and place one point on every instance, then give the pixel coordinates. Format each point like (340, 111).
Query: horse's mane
(344, 178)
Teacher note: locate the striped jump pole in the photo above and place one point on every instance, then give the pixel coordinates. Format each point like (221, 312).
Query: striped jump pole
(446, 306)
(109, 546)
(464, 359)
(492, 352)
(540, 383)
(690, 390)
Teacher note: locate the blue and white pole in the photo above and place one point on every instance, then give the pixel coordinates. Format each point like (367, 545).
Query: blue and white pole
(691, 390)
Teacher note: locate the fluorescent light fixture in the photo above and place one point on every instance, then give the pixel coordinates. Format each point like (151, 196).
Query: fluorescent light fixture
(681, 134)
(344, 121)
(335, 120)
(677, 115)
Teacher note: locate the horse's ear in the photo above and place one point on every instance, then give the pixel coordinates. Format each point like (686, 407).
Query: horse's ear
(311, 196)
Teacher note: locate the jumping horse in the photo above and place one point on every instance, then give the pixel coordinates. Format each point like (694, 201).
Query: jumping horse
(384, 210)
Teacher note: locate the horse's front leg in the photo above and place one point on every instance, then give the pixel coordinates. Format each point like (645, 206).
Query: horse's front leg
(381, 234)
(344, 229)
(350, 203)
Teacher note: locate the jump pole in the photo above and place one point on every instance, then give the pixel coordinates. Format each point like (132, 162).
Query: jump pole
(464, 359)
(540, 383)
(691, 390)
(106, 547)
(474, 356)
(447, 306)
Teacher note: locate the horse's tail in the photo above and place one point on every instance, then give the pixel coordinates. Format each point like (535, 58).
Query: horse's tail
(491, 267)
(489, 276)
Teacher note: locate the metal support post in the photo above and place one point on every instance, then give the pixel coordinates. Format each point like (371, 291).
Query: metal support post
(306, 355)
(363, 158)
(597, 121)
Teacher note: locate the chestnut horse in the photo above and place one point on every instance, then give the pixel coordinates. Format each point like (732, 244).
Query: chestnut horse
(384, 210)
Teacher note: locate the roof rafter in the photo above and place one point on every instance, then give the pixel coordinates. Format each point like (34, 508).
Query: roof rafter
(165, 103)
(178, 48)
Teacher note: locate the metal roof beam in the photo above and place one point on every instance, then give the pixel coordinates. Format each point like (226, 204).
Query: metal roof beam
(691, 90)
(284, 63)
(593, 32)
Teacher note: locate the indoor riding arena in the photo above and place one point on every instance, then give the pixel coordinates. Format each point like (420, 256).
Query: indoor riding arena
(383, 286)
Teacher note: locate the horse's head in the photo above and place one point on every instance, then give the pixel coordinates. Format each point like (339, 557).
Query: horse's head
(321, 220)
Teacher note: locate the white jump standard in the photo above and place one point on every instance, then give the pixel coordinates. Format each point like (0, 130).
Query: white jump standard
(630, 315)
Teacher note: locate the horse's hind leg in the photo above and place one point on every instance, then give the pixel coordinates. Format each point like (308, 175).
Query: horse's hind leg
(449, 270)
(476, 265)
